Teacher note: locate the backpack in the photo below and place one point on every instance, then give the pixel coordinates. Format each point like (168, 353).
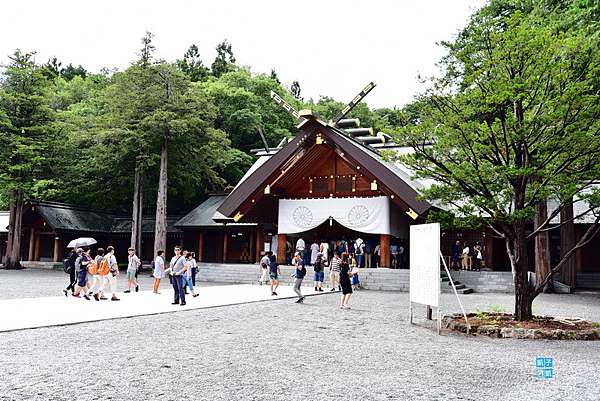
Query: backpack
(92, 267)
(359, 249)
(104, 267)
(67, 266)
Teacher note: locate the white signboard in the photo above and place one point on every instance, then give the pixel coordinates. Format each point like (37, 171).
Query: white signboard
(425, 264)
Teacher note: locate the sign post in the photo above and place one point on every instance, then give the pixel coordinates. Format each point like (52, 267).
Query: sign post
(425, 267)
(425, 279)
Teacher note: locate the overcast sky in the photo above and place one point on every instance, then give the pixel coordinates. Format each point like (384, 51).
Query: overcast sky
(332, 48)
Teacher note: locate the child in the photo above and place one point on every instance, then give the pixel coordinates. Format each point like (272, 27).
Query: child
(132, 268)
(159, 271)
(187, 274)
(355, 280)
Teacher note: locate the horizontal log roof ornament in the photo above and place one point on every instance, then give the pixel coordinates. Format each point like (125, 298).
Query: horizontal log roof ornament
(401, 188)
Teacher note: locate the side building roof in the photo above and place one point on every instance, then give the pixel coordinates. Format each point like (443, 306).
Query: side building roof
(68, 217)
(203, 215)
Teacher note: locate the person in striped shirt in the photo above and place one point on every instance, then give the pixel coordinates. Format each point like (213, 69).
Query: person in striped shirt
(334, 271)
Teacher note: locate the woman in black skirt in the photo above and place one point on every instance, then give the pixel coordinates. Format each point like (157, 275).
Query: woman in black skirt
(345, 274)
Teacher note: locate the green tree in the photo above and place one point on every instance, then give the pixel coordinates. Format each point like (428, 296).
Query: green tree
(192, 66)
(27, 137)
(225, 61)
(501, 130)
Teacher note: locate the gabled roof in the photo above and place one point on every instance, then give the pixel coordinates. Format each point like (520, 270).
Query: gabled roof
(387, 173)
(202, 216)
(68, 217)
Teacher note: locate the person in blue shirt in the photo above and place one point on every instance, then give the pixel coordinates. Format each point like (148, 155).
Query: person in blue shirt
(299, 274)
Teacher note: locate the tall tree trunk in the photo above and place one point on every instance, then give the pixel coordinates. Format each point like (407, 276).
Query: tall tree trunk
(523, 290)
(11, 226)
(542, 246)
(567, 242)
(160, 233)
(136, 217)
(13, 253)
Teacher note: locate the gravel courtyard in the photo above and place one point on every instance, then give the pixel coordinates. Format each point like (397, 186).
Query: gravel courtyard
(280, 350)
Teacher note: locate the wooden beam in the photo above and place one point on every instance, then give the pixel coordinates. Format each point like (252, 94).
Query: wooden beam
(225, 239)
(56, 256)
(260, 237)
(281, 245)
(384, 250)
(31, 244)
(36, 252)
(201, 246)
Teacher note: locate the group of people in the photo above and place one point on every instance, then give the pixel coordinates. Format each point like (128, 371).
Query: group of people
(91, 277)
(466, 257)
(365, 253)
(343, 273)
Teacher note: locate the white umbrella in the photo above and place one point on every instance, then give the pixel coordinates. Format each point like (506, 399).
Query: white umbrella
(81, 242)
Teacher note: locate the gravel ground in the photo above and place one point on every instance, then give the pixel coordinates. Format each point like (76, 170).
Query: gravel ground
(284, 351)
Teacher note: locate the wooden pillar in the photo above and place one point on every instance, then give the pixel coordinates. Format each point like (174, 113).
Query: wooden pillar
(281, 245)
(56, 256)
(488, 250)
(384, 250)
(225, 239)
(36, 252)
(258, 243)
(31, 244)
(200, 246)
(567, 242)
(578, 253)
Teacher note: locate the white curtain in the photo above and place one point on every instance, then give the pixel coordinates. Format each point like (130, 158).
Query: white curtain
(367, 215)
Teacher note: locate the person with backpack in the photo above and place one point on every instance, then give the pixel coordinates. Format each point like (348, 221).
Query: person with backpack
(274, 273)
(298, 275)
(69, 267)
(159, 271)
(319, 272)
(132, 268)
(109, 271)
(81, 271)
(359, 251)
(93, 267)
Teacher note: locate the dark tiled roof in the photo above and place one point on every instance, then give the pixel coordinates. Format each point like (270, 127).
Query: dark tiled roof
(67, 217)
(202, 216)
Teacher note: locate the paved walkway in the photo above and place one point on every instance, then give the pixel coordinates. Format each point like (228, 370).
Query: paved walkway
(28, 313)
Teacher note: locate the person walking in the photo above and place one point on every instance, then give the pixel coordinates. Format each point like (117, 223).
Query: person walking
(299, 274)
(264, 269)
(159, 270)
(345, 274)
(319, 272)
(70, 269)
(132, 268)
(194, 268)
(186, 275)
(300, 247)
(334, 271)
(96, 278)
(354, 271)
(274, 273)
(109, 271)
(176, 268)
(107, 275)
(81, 270)
(324, 249)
